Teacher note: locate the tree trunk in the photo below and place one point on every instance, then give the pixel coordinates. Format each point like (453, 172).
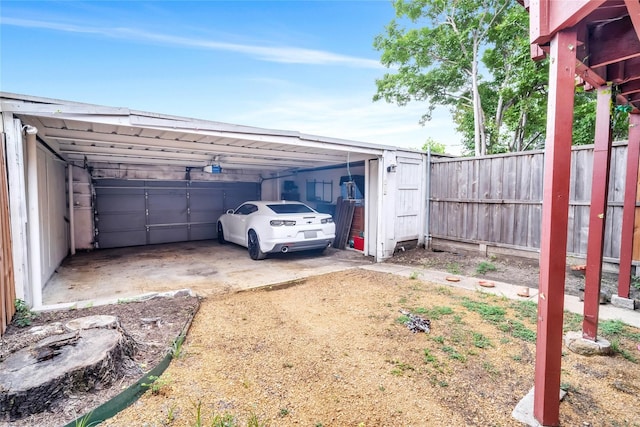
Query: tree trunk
(478, 122)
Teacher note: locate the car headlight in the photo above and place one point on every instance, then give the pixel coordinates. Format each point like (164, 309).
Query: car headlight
(280, 222)
(326, 220)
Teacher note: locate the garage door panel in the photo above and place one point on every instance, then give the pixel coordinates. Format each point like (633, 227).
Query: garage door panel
(204, 231)
(168, 234)
(133, 213)
(119, 202)
(121, 239)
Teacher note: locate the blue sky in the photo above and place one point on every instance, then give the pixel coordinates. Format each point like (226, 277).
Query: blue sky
(306, 66)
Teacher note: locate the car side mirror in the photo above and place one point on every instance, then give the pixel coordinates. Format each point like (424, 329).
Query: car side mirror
(229, 211)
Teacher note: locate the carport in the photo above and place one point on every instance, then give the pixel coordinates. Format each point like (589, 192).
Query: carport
(85, 177)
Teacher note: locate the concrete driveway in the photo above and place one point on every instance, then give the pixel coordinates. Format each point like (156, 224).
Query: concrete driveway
(205, 267)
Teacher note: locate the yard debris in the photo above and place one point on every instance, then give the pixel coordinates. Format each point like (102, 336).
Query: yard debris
(417, 323)
(452, 279)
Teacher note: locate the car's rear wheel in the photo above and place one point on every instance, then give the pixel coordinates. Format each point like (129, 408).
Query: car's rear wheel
(253, 245)
(221, 239)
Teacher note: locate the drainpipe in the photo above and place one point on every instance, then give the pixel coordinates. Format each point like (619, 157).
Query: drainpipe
(72, 240)
(33, 217)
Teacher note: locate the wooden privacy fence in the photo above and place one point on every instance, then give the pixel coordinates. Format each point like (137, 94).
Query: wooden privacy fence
(497, 200)
(7, 287)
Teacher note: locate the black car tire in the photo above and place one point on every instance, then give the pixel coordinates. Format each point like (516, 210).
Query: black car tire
(253, 245)
(221, 239)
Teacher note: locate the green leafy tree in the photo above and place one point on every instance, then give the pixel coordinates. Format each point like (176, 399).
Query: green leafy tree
(438, 59)
(434, 146)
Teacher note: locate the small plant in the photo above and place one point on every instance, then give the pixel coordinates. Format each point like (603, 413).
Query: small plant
(84, 421)
(402, 319)
(453, 353)
(400, 368)
(481, 341)
(157, 383)
(485, 266)
(428, 357)
(490, 313)
(171, 416)
(454, 268)
(414, 275)
(439, 339)
(24, 315)
(635, 282)
(223, 420)
(283, 412)
(176, 348)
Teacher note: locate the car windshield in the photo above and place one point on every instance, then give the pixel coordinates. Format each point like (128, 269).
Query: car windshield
(290, 208)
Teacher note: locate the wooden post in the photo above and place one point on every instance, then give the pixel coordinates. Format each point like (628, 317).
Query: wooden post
(555, 211)
(597, 213)
(628, 213)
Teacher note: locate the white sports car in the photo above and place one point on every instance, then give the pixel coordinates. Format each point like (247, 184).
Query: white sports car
(282, 226)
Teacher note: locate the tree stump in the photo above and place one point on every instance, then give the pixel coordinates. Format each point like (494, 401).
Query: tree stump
(32, 379)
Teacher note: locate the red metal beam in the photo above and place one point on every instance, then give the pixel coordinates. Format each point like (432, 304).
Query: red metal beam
(555, 211)
(629, 206)
(597, 213)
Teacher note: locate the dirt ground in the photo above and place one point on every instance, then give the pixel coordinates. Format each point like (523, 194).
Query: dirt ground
(332, 350)
(514, 270)
(153, 340)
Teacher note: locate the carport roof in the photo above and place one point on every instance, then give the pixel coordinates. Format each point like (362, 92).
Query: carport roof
(94, 133)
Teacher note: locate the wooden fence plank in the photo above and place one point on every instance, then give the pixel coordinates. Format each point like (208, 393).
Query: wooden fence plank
(498, 199)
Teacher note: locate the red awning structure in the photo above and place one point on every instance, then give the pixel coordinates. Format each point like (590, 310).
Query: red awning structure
(593, 43)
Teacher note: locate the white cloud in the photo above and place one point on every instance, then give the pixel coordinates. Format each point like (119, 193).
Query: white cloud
(279, 54)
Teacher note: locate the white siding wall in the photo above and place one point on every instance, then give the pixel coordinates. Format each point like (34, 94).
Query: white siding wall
(52, 199)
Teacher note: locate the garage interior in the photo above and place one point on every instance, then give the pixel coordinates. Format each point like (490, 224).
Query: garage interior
(107, 178)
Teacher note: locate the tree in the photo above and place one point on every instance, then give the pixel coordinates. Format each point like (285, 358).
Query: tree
(434, 146)
(440, 62)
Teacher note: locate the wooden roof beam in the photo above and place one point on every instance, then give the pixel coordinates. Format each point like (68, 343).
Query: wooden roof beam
(612, 42)
(547, 17)
(633, 7)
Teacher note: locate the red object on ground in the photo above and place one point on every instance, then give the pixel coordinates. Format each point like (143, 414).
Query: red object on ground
(358, 243)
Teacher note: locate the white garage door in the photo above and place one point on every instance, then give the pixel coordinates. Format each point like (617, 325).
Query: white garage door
(133, 213)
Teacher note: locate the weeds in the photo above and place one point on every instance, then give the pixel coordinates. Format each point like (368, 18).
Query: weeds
(156, 383)
(400, 368)
(84, 421)
(454, 268)
(176, 348)
(453, 354)
(490, 313)
(635, 282)
(485, 266)
(24, 315)
(481, 341)
(414, 275)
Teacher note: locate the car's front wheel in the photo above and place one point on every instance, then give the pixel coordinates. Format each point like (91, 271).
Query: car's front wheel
(221, 238)
(253, 245)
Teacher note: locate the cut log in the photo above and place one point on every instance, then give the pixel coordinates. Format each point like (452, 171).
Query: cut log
(92, 359)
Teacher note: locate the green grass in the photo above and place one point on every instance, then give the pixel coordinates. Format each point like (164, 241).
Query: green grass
(434, 313)
(490, 313)
(525, 310)
(454, 268)
(453, 353)
(481, 341)
(484, 267)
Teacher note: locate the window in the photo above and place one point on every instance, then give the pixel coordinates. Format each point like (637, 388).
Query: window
(290, 208)
(246, 209)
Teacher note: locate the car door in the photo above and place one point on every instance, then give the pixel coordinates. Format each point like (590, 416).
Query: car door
(238, 223)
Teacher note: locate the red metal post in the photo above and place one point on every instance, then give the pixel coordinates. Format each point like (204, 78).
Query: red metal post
(555, 212)
(628, 213)
(597, 213)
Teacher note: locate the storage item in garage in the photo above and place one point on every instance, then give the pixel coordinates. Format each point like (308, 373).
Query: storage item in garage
(358, 243)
